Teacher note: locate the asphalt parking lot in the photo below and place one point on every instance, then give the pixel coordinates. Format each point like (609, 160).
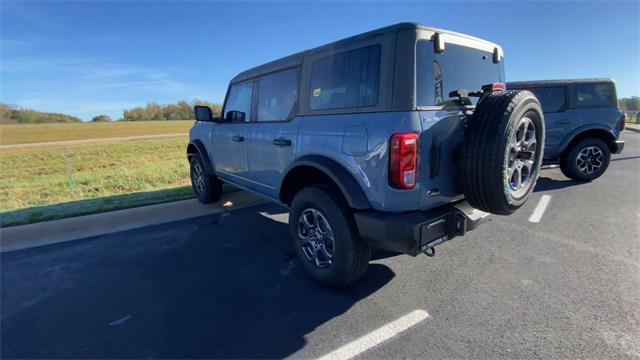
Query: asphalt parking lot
(227, 286)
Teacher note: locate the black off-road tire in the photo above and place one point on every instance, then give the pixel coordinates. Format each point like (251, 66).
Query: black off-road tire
(568, 161)
(351, 253)
(487, 145)
(208, 188)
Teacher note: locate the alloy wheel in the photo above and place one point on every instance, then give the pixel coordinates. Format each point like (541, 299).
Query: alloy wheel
(197, 176)
(521, 161)
(316, 237)
(589, 159)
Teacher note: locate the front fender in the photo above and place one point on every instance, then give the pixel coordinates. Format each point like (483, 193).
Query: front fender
(204, 155)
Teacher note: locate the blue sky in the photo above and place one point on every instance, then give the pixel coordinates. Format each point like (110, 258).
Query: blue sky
(90, 58)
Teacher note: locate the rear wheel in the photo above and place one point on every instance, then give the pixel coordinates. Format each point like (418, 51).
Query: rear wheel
(502, 151)
(326, 239)
(587, 160)
(207, 188)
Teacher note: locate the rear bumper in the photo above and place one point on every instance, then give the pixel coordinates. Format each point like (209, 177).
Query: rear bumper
(619, 146)
(414, 232)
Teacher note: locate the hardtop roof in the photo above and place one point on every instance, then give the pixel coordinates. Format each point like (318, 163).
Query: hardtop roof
(296, 59)
(540, 83)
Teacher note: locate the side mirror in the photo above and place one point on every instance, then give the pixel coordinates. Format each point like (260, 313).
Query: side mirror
(203, 113)
(235, 116)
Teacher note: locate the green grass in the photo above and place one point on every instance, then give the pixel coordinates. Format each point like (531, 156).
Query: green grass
(33, 133)
(97, 205)
(37, 184)
(40, 176)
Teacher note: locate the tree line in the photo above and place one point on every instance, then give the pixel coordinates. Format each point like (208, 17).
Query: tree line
(12, 115)
(629, 104)
(182, 110)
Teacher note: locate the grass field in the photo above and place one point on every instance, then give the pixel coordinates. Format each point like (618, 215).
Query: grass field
(53, 182)
(33, 133)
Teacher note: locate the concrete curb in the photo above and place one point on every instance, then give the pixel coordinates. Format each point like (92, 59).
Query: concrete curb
(56, 231)
(632, 127)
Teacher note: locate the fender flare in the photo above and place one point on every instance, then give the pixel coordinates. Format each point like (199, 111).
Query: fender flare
(576, 132)
(337, 173)
(202, 151)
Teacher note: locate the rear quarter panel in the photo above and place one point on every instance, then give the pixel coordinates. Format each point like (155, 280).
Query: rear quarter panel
(360, 143)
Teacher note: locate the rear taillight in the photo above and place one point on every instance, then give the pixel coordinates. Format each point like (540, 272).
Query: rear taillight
(403, 155)
(623, 122)
(497, 86)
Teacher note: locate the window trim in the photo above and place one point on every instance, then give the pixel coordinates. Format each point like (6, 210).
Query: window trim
(387, 71)
(574, 96)
(316, 59)
(226, 98)
(254, 120)
(563, 87)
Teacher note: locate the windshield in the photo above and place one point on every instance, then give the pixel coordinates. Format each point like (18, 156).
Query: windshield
(457, 68)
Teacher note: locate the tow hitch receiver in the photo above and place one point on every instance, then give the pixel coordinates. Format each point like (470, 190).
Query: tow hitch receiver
(442, 229)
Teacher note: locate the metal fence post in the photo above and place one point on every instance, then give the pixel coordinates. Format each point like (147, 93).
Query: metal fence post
(67, 166)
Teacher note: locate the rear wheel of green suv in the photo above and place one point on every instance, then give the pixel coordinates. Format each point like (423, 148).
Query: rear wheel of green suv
(325, 237)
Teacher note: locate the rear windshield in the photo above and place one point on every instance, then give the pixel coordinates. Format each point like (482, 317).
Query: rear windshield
(594, 95)
(457, 68)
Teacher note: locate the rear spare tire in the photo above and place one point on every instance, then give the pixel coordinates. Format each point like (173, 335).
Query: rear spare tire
(502, 151)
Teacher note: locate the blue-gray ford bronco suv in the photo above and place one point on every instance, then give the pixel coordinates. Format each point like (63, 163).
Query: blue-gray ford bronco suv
(400, 138)
(583, 124)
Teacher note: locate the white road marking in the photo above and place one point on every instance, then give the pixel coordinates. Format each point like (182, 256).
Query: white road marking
(120, 321)
(281, 217)
(377, 336)
(539, 211)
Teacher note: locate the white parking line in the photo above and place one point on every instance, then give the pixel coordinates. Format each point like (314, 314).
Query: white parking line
(377, 336)
(539, 211)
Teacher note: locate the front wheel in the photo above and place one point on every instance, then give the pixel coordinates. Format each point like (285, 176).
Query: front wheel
(326, 239)
(207, 188)
(586, 160)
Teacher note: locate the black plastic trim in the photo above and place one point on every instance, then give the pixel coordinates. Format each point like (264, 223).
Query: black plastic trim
(413, 232)
(202, 150)
(347, 184)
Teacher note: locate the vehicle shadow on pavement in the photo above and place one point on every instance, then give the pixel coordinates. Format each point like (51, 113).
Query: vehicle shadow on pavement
(220, 286)
(547, 183)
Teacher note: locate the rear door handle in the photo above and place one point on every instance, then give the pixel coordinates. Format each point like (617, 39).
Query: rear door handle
(238, 138)
(282, 142)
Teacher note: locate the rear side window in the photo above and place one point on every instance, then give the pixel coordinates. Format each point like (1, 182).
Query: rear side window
(552, 99)
(594, 95)
(457, 68)
(345, 80)
(277, 96)
(239, 99)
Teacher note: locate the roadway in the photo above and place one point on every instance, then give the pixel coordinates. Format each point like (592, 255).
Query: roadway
(559, 280)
